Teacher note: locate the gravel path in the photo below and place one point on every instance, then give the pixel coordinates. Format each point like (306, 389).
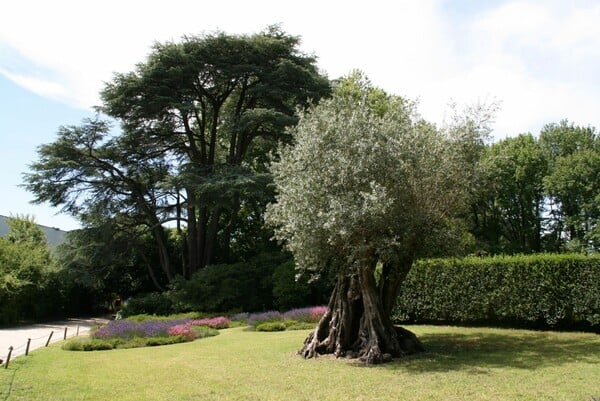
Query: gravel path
(38, 333)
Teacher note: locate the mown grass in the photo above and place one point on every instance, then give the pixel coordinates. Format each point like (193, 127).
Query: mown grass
(461, 364)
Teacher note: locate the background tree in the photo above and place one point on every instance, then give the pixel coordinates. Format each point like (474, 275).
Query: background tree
(25, 268)
(216, 104)
(573, 183)
(198, 119)
(367, 187)
(509, 216)
(104, 180)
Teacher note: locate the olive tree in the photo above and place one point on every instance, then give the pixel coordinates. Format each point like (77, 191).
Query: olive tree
(367, 187)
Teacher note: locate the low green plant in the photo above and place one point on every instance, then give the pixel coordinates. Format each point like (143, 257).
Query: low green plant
(87, 344)
(300, 326)
(271, 326)
(205, 331)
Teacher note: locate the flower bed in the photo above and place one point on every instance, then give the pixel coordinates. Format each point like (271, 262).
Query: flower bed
(295, 319)
(149, 332)
(219, 322)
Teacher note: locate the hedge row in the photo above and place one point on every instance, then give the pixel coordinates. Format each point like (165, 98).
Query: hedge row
(542, 291)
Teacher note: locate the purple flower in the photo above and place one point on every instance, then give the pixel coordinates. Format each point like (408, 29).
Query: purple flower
(243, 316)
(308, 315)
(258, 318)
(128, 329)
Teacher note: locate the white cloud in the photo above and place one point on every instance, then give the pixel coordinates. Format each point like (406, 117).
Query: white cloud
(538, 58)
(40, 86)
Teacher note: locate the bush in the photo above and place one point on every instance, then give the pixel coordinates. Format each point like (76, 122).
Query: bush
(240, 286)
(87, 344)
(219, 322)
(271, 326)
(184, 330)
(308, 315)
(300, 325)
(128, 329)
(543, 291)
(257, 318)
(205, 331)
(143, 332)
(290, 291)
(153, 303)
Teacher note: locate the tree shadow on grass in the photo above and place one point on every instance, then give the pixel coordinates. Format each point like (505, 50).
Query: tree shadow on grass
(478, 351)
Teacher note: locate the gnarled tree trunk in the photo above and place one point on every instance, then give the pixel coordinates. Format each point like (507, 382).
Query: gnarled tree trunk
(355, 324)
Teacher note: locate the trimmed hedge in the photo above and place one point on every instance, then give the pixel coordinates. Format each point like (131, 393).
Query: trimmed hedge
(541, 291)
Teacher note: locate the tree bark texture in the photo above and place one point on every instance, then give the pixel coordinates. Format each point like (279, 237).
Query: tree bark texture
(355, 325)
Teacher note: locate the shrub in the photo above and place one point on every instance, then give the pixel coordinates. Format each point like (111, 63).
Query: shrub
(257, 318)
(158, 341)
(128, 329)
(153, 304)
(308, 315)
(183, 330)
(205, 331)
(87, 344)
(271, 326)
(543, 291)
(240, 317)
(290, 291)
(219, 322)
(241, 286)
(300, 326)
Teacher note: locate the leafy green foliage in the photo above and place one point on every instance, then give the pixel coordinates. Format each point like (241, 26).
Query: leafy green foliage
(271, 326)
(509, 206)
(292, 291)
(154, 303)
(365, 179)
(573, 184)
(30, 285)
(536, 290)
(246, 286)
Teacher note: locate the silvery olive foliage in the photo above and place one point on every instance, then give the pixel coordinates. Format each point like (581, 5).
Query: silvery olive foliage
(367, 178)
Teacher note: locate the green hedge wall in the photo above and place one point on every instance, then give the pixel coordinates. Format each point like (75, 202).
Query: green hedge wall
(542, 291)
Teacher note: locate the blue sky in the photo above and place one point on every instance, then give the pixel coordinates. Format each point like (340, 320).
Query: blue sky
(538, 59)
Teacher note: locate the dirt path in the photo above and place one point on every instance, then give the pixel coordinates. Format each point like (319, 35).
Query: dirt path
(17, 337)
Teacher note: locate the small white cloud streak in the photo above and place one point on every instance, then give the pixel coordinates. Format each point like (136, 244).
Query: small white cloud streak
(408, 48)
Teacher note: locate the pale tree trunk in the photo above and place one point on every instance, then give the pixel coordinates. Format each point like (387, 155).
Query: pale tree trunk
(355, 325)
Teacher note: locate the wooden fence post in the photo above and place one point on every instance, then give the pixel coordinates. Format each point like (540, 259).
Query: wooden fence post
(10, 349)
(49, 338)
(65, 337)
(27, 348)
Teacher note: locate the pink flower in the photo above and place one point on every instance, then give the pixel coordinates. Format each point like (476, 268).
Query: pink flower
(184, 330)
(220, 322)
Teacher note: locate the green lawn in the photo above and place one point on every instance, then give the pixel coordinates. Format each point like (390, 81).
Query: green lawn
(461, 364)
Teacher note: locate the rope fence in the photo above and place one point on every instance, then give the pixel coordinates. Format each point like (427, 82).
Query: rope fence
(38, 342)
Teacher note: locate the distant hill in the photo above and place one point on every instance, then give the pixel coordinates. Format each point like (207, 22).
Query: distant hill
(54, 236)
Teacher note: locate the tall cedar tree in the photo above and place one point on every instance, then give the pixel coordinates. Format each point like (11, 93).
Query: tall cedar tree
(198, 118)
